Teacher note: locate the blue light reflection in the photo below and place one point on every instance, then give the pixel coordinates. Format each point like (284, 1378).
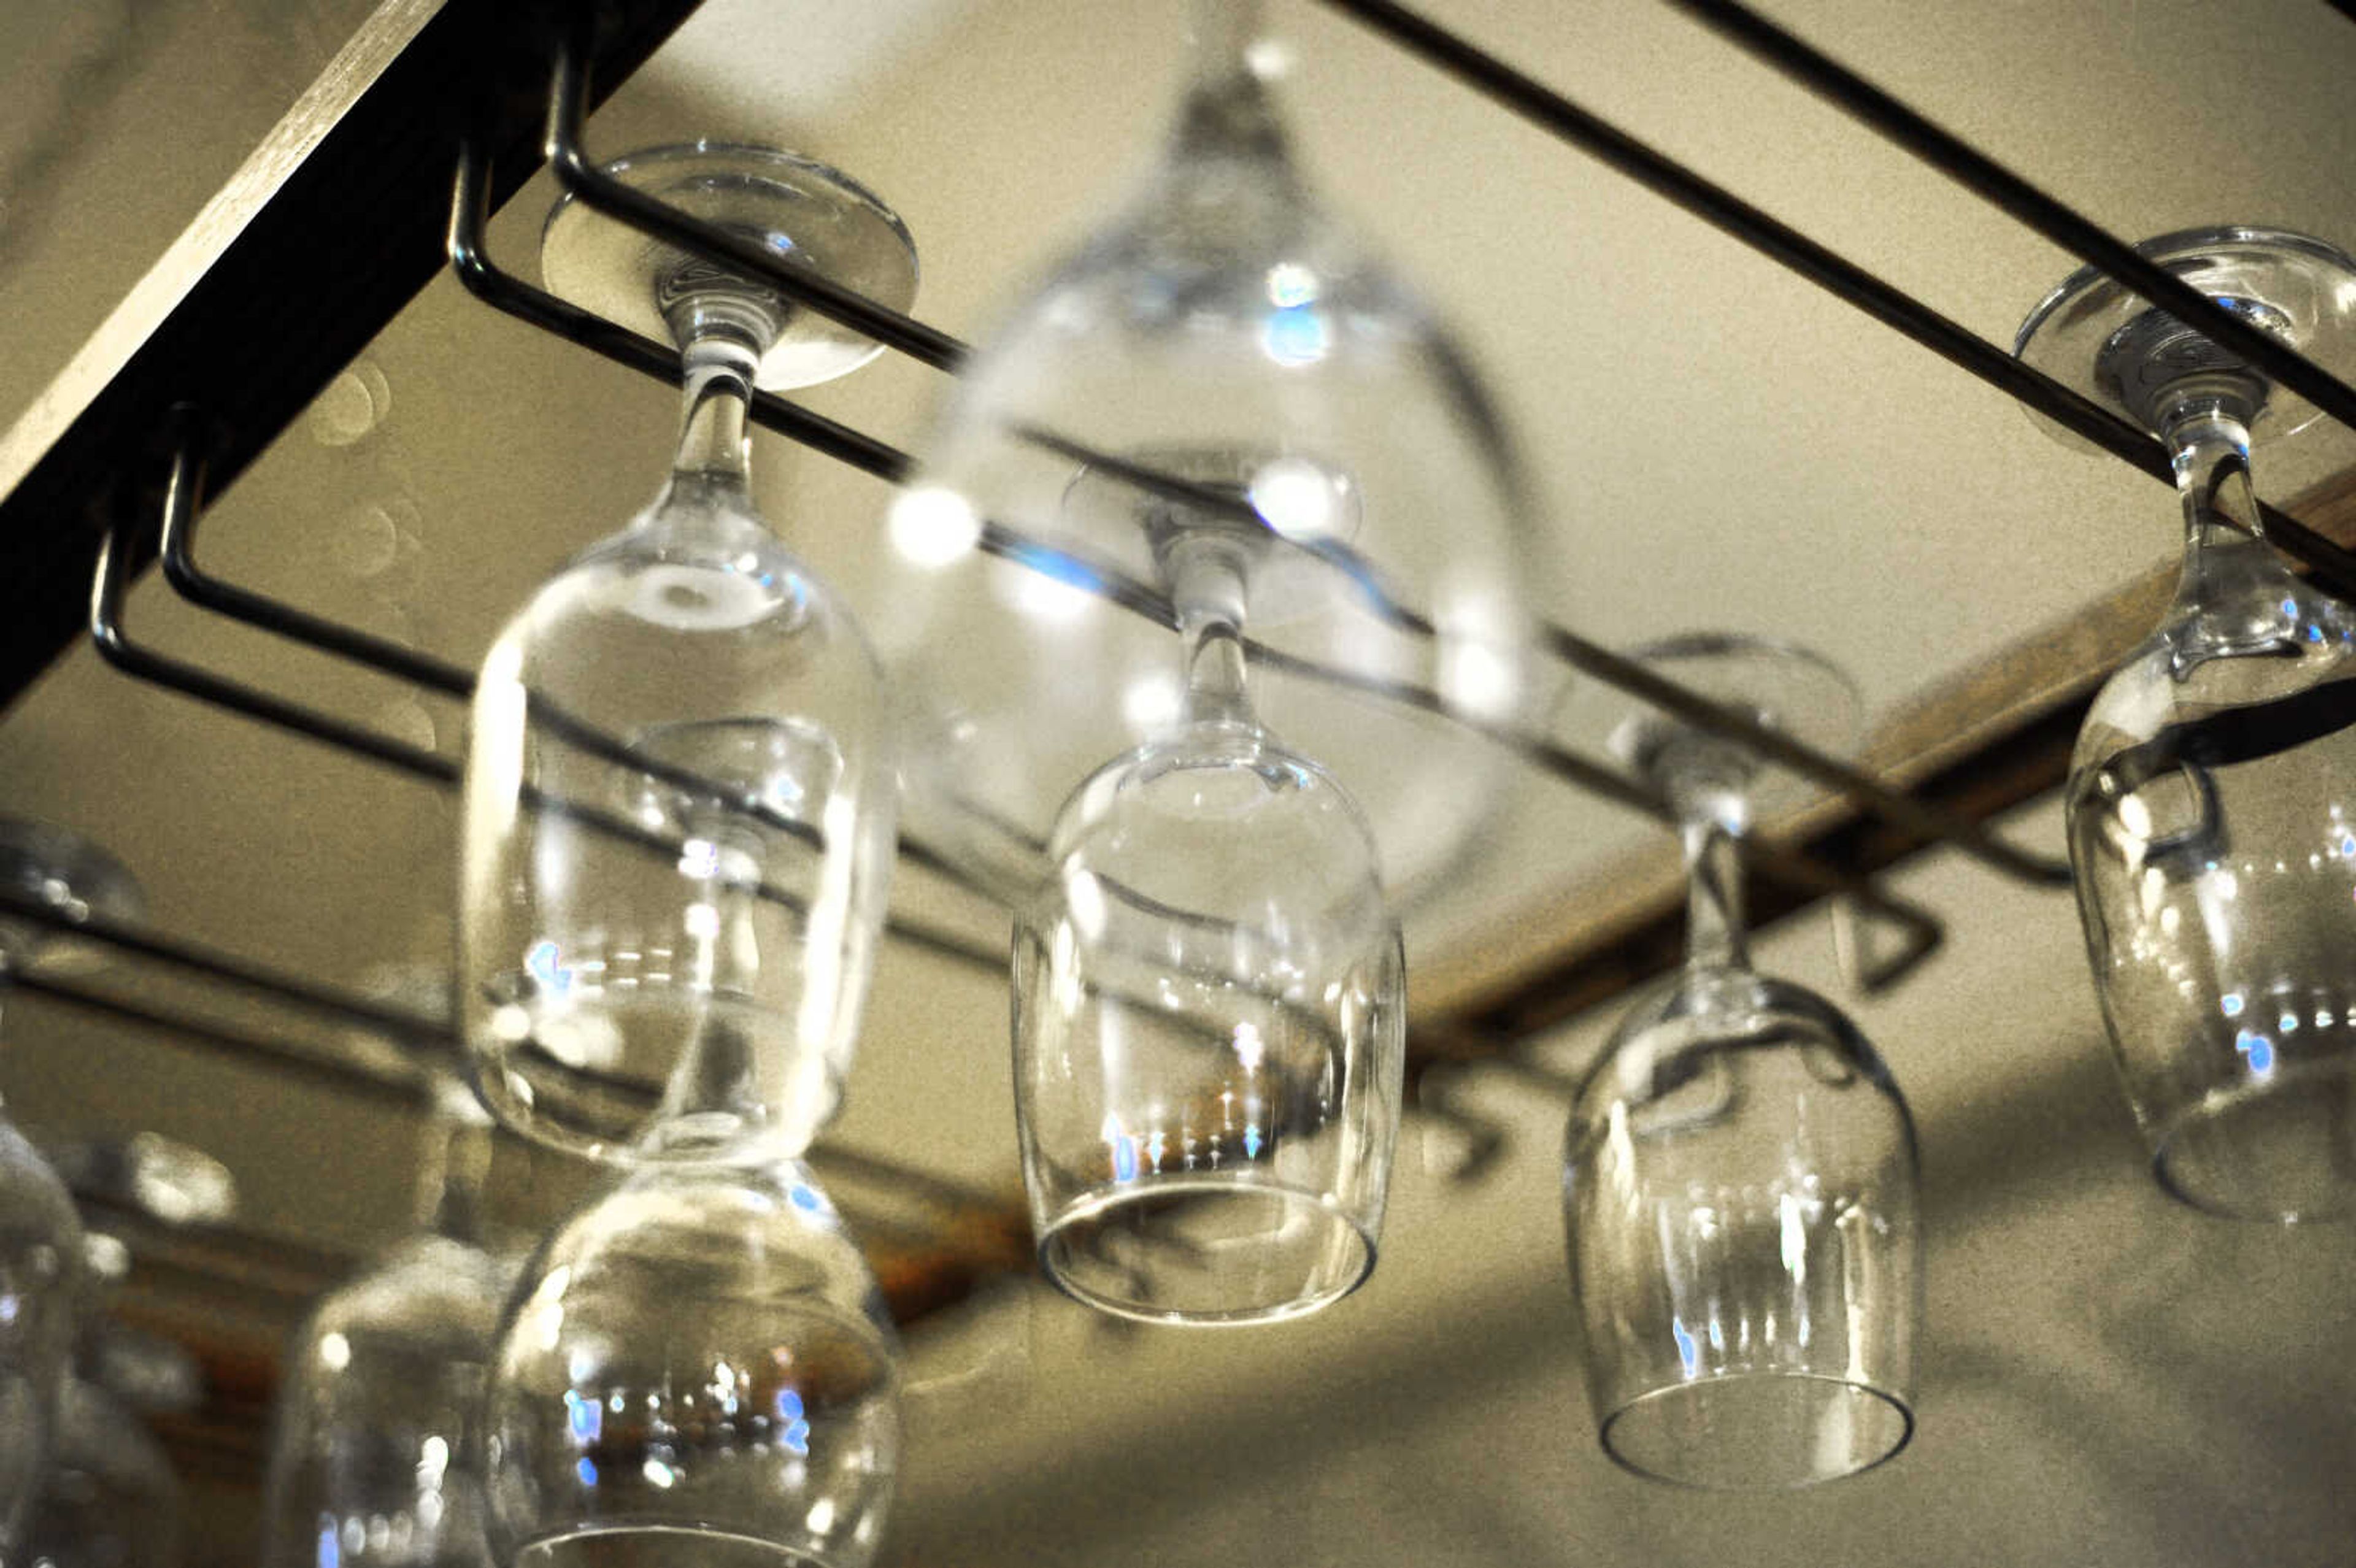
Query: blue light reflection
(1296, 334)
(545, 963)
(1688, 1348)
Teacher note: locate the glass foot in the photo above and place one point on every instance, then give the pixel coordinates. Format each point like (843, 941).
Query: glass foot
(807, 213)
(1785, 686)
(2101, 340)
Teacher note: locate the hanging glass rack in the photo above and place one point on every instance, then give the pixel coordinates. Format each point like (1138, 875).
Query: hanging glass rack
(444, 112)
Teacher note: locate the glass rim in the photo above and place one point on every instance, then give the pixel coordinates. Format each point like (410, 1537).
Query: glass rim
(1902, 1404)
(1098, 1201)
(494, 1080)
(2162, 1135)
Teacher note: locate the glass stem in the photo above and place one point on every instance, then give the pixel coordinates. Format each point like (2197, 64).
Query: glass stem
(1714, 938)
(454, 1165)
(2224, 554)
(1227, 111)
(1225, 31)
(716, 1090)
(2210, 449)
(715, 444)
(1207, 590)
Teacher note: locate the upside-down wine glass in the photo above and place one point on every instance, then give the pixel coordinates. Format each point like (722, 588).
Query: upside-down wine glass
(1256, 489)
(377, 1455)
(1739, 1185)
(679, 797)
(40, 1235)
(679, 820)
(109, 1498)
(1209, 1002)
(2211, 801)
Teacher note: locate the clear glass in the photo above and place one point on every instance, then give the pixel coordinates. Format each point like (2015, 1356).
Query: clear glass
(701, 1370)
(41, 1261)
(40, 1234)
(680, 797)
(109, 1499)
(1740, 1182)
(1221, 345)
(1209, 1013)
(2211, 801)
(377, 1454)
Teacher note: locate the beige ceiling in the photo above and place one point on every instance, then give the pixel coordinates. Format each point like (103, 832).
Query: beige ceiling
(2107, 1382)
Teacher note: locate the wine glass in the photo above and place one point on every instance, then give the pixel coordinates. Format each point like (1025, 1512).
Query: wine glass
(1221, 418)
(699, 1367)
(1209, 1003)
(1739, 1185)
(679, 820)
(1222, 347)
(678, 798)
(2211, 799)
(108, 1497)
(40, 1235)
(376, 1455)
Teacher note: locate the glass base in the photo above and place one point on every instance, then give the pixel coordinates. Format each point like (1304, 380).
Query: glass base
(2281, 1152)
(1206, 1250)
(796, 208)
(2299, 288)
(1781, 685)
(1757, 1432)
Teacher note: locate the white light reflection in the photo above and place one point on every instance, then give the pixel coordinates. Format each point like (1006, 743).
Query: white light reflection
(1042, 596)
(1479, 679)
(1150, 703)
(1084, 896)
(932, 528)
(1290, 284)
(1299, 499)
(1249, 1047)
(1795, 1238)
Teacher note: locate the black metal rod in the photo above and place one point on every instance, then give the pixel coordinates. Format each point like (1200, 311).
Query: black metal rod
(2056, 221)
(326, 1071)
(176, 546)
(177, 536)
(116, 645)
(2333, 566)
(470, 259)
(377, 1017)
(1925, 930)
(470, 256)
(1727, 213)
(586, 182)
(1892, 805)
